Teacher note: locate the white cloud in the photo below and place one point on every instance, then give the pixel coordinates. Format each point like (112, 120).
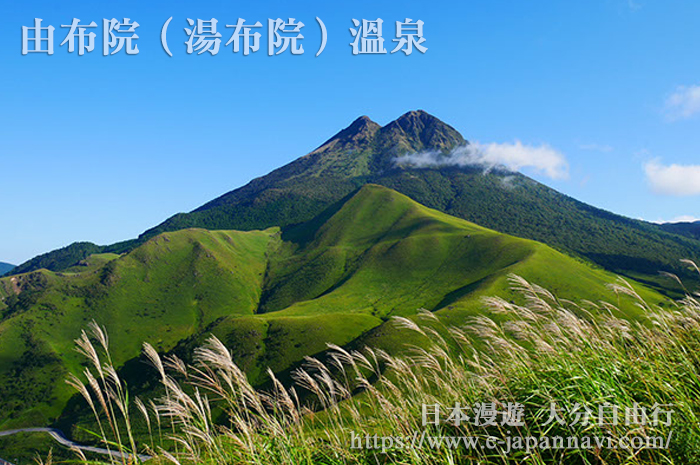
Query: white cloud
(541, 158)
(679, 180)
(683, 103)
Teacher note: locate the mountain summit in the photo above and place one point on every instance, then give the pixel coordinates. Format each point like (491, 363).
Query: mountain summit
(418, 131)
(412, 132)
(365, 148)
(360, 132)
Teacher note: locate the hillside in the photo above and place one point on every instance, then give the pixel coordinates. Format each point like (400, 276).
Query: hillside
(5, 268)
(366, 152)
(274, 296)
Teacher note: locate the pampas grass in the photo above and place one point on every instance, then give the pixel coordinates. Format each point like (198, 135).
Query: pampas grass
(542, 353)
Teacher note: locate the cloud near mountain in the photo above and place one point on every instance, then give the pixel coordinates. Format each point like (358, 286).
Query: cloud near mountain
(514, 157)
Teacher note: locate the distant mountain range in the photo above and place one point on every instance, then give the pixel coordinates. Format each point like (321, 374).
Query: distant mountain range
(5, 268)
(689, 229)
(366, 152)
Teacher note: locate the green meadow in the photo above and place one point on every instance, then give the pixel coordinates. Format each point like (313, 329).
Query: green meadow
(275, 296)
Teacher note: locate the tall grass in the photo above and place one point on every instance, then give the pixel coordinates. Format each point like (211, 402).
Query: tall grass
(541, 354)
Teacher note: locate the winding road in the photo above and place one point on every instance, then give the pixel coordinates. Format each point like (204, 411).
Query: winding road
(61, 439)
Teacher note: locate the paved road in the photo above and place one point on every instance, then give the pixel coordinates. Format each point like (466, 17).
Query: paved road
(61, 439)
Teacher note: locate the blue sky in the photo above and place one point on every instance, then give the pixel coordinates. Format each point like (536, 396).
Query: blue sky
(101, 148)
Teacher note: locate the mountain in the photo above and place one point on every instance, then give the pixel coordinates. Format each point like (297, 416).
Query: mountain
(273, 296)
(689, 229)
(300, 190)
(508, 202)
(5, 268)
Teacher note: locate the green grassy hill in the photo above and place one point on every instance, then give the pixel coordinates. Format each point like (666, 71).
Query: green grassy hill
(274, 296)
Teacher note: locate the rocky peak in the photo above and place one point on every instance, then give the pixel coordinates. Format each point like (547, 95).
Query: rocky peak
(419, 130)
(359, 133)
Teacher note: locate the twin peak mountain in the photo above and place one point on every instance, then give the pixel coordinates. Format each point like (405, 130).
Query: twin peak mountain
(413, 131)
(362, 153)
(365, 148)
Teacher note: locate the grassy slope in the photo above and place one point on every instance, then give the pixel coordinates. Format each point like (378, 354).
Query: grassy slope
(273, 296)
(505, 202)
(381, 255)
(162, 292)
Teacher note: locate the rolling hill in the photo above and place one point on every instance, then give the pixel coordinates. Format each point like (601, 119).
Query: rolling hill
(273, 295)
(366, 152)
